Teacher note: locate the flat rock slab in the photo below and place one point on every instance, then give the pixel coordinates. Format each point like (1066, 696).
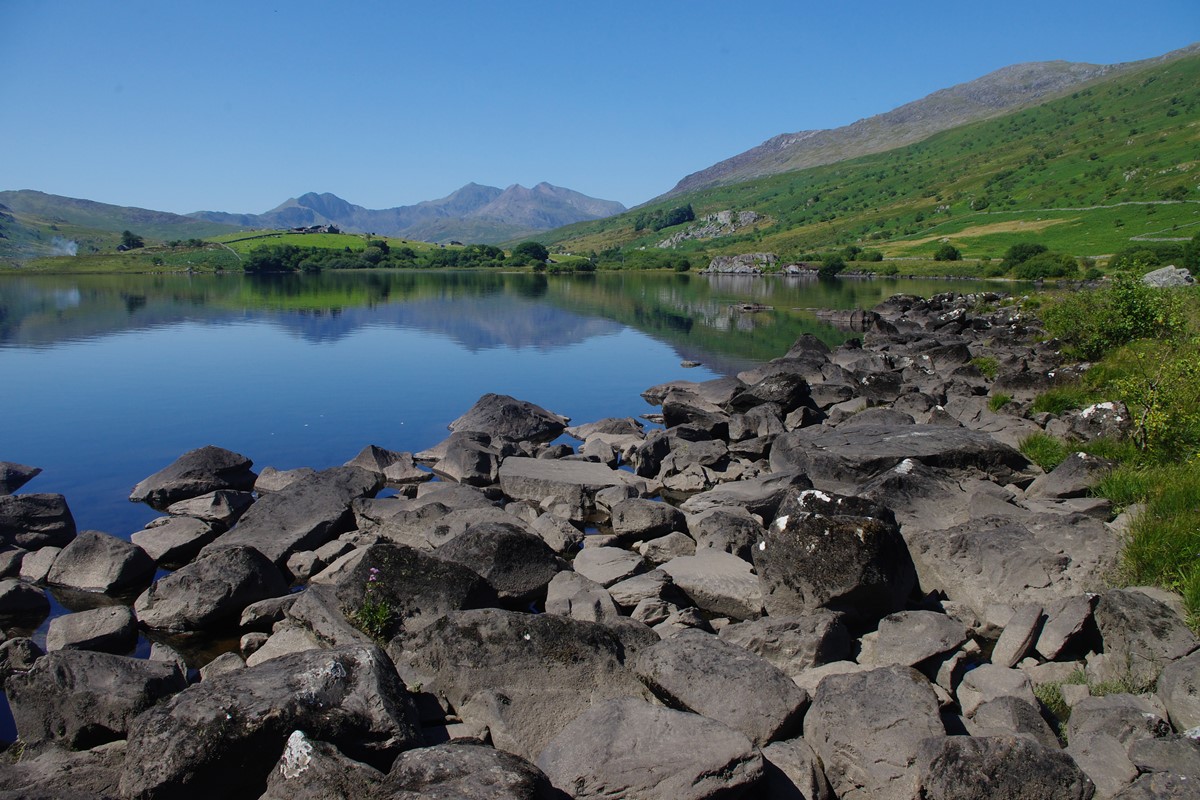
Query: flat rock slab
(221, 737)
(573, 483)
(867, 727)
(696, 671)
(1179, 688)
(1000, 560)
(525, 676)
(793, 644)
(630, 748)
(837, 458)
(174, 541)
(909, 637)
(1141, 636)
(111, 629)
(194, 473)
(222, 507)
(465, 770)
(608, 565)
(718, 582)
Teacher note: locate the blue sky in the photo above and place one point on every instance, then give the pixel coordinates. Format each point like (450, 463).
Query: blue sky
(235, 106)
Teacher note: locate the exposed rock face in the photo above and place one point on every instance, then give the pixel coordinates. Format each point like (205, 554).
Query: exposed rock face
(999, 768)
(468, 770)
(13, 476)
(679, 756)
(1167, 277)
(194, 473)
(1141, 636)
(221, 738)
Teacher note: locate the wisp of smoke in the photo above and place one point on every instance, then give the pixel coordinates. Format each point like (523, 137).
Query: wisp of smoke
(64, 247)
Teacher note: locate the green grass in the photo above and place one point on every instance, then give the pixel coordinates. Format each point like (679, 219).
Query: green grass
(1083, 174)
(1063, 398)
(987, 366)
(999, 401)
(1044, 450)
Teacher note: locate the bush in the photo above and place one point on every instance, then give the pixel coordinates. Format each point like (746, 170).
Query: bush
(947, 252)
(1045, 265)
(1020, 253)
(1092, 323)
(831, 264)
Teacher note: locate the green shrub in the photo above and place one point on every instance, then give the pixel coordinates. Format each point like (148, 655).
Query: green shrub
(1044, 450)
(947, 252)
(999, 401)
(1060, 399)
(1091, 323)
(1046, 265)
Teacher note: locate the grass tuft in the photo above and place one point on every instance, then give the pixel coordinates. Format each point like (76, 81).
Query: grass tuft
(1044, 450)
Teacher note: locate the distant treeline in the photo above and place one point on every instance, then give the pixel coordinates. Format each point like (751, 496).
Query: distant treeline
(663, 218)
(377, 255)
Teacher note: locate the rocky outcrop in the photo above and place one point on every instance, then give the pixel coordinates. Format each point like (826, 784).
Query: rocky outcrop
(194, 473)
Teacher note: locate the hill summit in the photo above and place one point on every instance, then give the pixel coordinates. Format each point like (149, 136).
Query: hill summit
(474, 213)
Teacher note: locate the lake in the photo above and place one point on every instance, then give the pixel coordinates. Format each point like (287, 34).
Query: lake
(106, 379)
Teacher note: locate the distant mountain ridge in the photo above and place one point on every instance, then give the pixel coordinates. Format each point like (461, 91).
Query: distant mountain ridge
(1000, 92)
(473, 213)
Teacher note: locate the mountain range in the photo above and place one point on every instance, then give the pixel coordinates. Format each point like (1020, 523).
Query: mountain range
(474, 213)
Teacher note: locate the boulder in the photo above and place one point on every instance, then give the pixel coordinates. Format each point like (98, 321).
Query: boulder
(35, 565)
(221, 737)
(1019, 636)
(695, 671)
(678, 756)
(222, 507)
(504, 417)
(524, 676)
(719, 583)
(111, 629)
(22, 605)
(608, 565)
(792, 771)
(572, 595)
(867, 728)
(13, 476)
(31, 521)
(80, 699)
(1066, 621)
(303, 516)
(56, 773)
(1140, 635)
(793, 644)
(908, 638)
(310, 769)
(1179, 688)
(652, 585)
(1168, 277)
(759, 496)
(209, 593)
(97, 562)
(855, 564)
(516, 563)
(559, 535)
(665, 548)
(1011, 716)
(1172, 753)
(17, 655)
(1159, 786)
(465, 770)
(571, 485)
(1074, 477)
(638, 518)
(990, 681)
(272, 480)
(838, 459)
(998, 768)
(174, 541)
(396, 469)
(731, 530)
(194, 473)
(469, 458)
(416, 587)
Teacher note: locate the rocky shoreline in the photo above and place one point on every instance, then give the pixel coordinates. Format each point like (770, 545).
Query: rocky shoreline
(857, 588)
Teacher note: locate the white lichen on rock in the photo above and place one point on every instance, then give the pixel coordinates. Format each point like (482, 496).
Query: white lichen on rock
(297, 755)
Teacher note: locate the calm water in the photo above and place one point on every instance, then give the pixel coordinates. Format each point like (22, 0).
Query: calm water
(106, 379)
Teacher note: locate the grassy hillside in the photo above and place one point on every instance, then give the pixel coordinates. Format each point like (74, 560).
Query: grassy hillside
(1085, 174)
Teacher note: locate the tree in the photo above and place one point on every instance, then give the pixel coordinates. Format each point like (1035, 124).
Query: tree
(947, 252)
(131, 241)
(527, 252)
(831, 265)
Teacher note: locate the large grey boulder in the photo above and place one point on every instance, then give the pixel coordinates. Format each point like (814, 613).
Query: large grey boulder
(608, 565)
(1179, 688)
(22, 604)
(793, 772)
(646, 519)
(465, 770)
(627, 747)
(98, 562)
(504, 417)
(303, 516)
(516, 563)
(867, 727)
(13, 476)
(110, 629)
(859, 565)
(209, 593)
(1141, 636)
(908, 638)
(31, 521)
(395, 468)
(570, 594)
(221, 737)
(1074, 477)
(839, 459)
(417, 587)
(310, 769)
(793, 644)
(695, 671)
(469, 458)
(81, 699)
(998, 768)
(222, 507)
(194, 473)
(1011, 716)
(760, 496)
(1102, 731)
(524, 676)
(719, 583)
(1168, 277)
(174, 541)
(731, 529)
(988, 682)
(60, 774)
(567, 487)
(1005, 561)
